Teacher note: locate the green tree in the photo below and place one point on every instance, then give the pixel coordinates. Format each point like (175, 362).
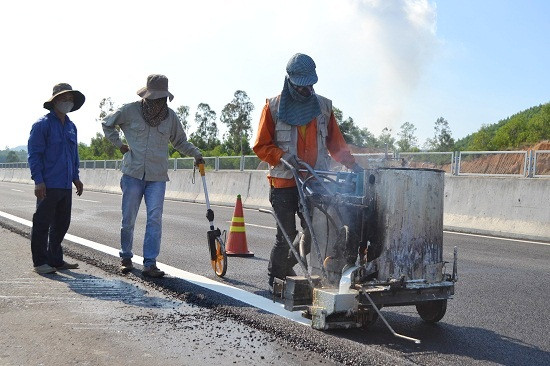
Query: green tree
(106, 106)
(407, 138)
(385, 139)
(12, 157)
(236, 115)
(510, 135)
(206, 135)
(100, 147)
(183, 113)
(442, 140)
(352, 134)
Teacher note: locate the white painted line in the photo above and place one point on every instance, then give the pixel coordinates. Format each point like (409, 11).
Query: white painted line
(17, 190)
(81, 199)
(262, 226)
(497, 238)
(220, 287)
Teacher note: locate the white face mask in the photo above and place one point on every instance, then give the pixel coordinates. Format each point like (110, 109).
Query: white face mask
(64, 107)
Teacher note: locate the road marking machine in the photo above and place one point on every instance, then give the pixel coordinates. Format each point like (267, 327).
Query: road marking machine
(376, 240)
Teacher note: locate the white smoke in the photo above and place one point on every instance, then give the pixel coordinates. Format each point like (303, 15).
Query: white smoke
(397, 39)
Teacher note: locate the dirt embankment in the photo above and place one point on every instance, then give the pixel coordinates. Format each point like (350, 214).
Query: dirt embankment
(506, 163)
(512, 163)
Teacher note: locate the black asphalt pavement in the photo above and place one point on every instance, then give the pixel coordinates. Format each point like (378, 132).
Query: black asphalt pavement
(499, 314)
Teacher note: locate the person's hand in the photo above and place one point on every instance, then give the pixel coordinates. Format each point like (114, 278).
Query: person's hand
(124, 149)
(356, 168)
(40, 191)
(79, 187)
(199, 160)
(292, 160)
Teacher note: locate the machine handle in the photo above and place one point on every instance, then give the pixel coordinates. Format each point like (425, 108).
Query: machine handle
(201, 170)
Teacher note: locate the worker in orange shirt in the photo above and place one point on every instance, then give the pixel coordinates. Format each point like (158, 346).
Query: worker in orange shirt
(296, 125)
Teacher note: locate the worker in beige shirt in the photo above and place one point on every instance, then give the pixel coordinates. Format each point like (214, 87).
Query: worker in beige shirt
(148, 126)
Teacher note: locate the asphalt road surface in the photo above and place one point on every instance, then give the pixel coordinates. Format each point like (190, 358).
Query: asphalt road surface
(499, 314)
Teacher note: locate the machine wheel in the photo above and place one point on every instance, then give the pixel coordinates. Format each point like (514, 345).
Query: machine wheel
(432, 311)
(370, 322)
(219, 265)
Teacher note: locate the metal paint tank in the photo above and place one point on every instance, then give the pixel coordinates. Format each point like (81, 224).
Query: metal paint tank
(406, 226)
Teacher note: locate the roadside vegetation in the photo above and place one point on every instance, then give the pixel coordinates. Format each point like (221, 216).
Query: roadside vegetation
(517, 132)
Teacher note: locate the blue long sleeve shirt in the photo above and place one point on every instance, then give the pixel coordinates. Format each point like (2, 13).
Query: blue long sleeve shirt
(53, 152)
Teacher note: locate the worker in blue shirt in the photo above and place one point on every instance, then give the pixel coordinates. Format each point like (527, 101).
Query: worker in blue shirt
(53, 161)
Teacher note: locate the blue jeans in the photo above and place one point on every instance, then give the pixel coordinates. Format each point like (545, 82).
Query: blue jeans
(133, 190)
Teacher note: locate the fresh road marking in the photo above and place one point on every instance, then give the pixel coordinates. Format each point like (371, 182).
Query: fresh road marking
(17, 190)
(262, 226)
(497, 238)
(257, 301)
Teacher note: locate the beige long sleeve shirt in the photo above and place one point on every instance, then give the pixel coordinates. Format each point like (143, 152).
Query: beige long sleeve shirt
(148, 155)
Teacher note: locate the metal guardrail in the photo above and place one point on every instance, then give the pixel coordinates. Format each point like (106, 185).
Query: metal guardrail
(469, 163)
(433, 160)
(540, 163)
(532, 163)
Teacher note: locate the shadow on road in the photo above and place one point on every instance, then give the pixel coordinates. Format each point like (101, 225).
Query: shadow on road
(109, 290)
(466, 343)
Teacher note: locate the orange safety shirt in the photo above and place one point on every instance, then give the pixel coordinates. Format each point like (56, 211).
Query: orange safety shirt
(266, 150)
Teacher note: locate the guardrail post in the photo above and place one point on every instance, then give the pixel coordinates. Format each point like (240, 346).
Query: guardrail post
(175, 164)
(241, 163)
(531, 164)
(457, 160)
(217, 163)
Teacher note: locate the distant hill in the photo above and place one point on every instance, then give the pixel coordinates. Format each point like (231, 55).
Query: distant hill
(516, 132)
(19, 148)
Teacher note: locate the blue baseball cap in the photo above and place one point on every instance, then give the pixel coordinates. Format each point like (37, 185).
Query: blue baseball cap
(301, 70)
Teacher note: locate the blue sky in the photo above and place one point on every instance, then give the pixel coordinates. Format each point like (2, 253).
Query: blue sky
(382, 62)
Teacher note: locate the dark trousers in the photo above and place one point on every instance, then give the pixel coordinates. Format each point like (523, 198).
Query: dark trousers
(50, 223)
(285, 205)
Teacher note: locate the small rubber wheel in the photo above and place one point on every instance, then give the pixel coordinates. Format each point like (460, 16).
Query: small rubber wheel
(432, 311)
(370, 322)
(219, 265)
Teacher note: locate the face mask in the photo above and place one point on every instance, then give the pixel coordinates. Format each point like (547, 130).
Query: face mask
(64, 107)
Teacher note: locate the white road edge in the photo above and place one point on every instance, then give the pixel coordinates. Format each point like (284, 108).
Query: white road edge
(257, 301)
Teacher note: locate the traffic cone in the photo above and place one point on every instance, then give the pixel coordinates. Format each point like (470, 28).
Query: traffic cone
(236, 244)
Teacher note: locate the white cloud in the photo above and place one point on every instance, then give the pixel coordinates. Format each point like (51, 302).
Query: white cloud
(370, 55)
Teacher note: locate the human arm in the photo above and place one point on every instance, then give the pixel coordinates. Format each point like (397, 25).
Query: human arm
(76, 169)
(36, 148)
(109, 124)
(179, 141)
(265, 147)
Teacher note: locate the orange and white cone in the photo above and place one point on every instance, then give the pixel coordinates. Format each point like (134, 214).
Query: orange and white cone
(236, 243)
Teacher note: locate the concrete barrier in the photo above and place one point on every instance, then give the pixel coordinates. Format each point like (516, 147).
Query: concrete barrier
(501, 206)
(509, 207)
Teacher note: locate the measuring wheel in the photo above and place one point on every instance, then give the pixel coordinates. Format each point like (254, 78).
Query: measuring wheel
(219, 261)
(432, 311)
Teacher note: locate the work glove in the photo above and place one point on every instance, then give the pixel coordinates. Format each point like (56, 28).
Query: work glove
(356, 168)
(292, 160)
(199, 160)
